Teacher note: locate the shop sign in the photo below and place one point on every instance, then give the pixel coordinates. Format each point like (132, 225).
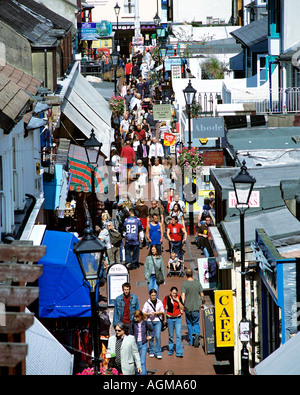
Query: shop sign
(117, 275)
(104, 28)
(208, 127)
(207, 269)
(176, 72)
(253, 201)
(224, 322)
(162, 112)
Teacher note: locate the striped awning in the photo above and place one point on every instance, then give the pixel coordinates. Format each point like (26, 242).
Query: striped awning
(81, 172)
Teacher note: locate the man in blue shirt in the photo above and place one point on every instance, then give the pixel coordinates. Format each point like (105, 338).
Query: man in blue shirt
(133, 226)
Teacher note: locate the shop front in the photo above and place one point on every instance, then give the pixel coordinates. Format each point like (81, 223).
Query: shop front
(280, 293)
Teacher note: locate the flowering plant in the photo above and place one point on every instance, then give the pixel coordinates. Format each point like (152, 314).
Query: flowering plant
(190, 159)
(102, 372)
(117, 105)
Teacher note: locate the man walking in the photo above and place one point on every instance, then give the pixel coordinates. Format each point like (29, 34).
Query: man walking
(124, 348)
(125, 306)
(191, 292)
(133, 227)
(155, 151)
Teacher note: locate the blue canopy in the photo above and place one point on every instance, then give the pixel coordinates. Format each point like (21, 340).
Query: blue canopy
(61, 289)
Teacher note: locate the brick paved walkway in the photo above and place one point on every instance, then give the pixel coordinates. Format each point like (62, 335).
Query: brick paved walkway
(194, 361)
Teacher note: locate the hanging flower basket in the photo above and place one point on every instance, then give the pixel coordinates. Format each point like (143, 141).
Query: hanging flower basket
(117, 105)
(190, 160)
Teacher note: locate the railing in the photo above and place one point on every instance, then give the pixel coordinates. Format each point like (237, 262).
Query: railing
(208, 102)
(280, 101)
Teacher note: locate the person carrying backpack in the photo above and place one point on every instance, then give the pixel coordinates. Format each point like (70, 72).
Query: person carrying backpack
(112, 239)
(133, 227)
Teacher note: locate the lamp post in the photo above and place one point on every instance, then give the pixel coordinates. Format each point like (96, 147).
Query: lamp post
(93, 150)
(115, 56)
(163, 49)
(89, 252)
(117, 9)
(243, 185)
(189, 96)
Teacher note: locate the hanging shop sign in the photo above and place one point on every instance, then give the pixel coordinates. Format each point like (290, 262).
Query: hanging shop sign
(224, 322)
(162, 112)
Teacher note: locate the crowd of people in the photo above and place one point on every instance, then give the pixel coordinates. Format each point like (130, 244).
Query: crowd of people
(144, 160)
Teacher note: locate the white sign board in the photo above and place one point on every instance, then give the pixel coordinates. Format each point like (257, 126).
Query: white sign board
(117, 275)
(254, 201)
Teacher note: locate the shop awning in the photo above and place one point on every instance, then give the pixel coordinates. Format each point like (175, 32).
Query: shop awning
(81, 172)
(282, 362)
(61, 289)
(87, 109)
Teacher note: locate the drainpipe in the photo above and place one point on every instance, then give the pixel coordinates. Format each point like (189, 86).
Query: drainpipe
(45, 68)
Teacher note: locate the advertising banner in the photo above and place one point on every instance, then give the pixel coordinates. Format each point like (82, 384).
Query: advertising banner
(169, 139)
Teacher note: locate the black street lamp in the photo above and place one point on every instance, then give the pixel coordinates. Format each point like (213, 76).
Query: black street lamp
(117, 9)
(115, 56)
(243, 184)
(189, 95)
(162, 51)
(93, 150)
(89, 252)
(156, 19)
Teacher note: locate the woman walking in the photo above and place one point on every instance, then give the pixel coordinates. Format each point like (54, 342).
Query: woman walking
(139, 328)
(154, 311)
(154, 269)
(157, 178)
(174, 309)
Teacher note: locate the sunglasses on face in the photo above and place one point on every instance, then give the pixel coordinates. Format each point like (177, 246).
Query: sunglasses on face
(118, 330)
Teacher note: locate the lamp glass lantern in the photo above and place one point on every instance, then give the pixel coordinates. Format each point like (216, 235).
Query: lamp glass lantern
(156, 19)
(117, 9)
(243, 184)
(91, 145)
(89, 252)
(115, 57)
(163, 49)
(189, 94)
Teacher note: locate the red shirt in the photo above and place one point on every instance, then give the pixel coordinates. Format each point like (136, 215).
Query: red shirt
(126, 313)
(128, 154)
(128, 68)
(175, 231)
(172, 309)
(140, 134)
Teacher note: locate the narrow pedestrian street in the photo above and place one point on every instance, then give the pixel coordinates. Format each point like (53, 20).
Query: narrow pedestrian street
(194, 361)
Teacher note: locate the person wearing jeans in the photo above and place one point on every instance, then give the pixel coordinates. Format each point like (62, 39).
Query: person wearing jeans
(139, 328)
(191, 292)
(154, 311)
(174, 308)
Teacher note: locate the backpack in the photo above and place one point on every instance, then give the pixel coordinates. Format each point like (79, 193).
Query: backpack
(115, 237)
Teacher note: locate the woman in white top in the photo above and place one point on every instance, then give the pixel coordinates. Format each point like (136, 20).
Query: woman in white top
(157, 178)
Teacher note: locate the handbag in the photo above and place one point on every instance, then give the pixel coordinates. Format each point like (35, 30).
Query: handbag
(159, 277)
(164, 324)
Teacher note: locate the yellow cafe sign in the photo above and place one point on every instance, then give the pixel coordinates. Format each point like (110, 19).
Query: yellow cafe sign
(224, 324)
